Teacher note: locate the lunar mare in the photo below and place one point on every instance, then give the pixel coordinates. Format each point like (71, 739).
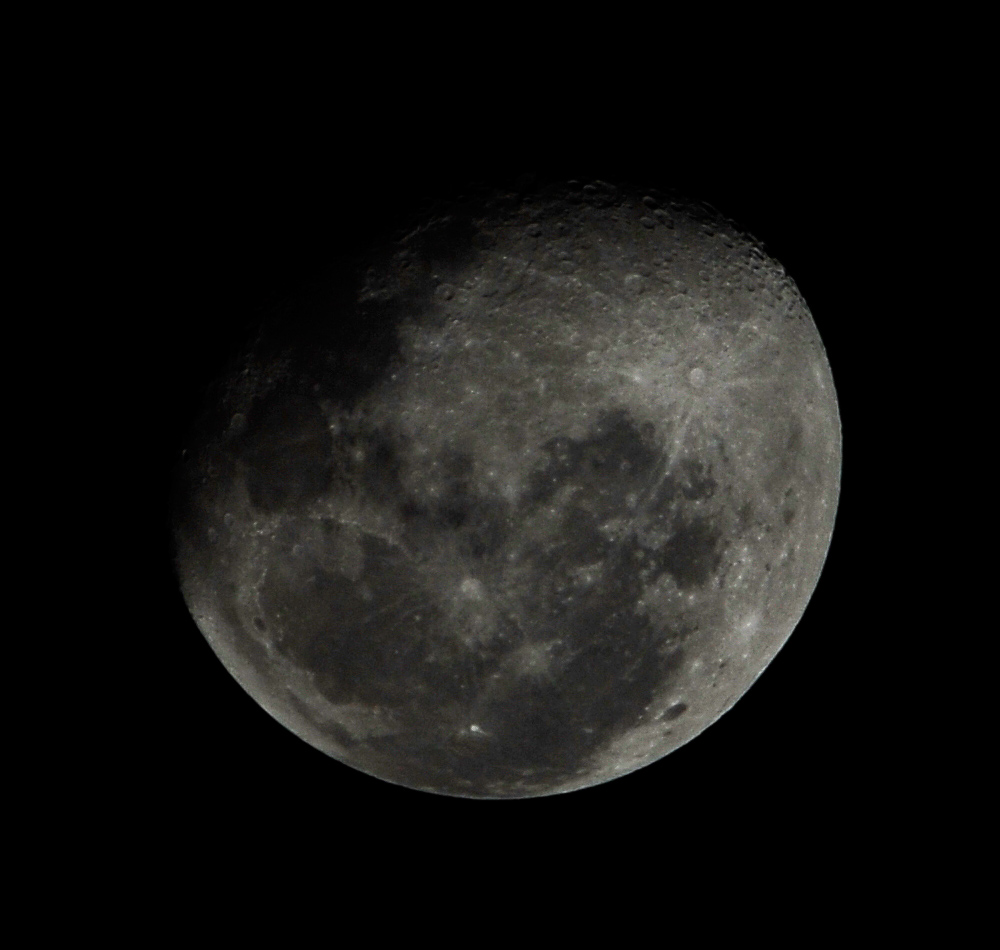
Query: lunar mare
(522, 500)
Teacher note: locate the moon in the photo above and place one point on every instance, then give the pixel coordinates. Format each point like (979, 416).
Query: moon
(521, 499)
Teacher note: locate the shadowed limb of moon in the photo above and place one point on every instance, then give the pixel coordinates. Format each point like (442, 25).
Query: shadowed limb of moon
(520, 501)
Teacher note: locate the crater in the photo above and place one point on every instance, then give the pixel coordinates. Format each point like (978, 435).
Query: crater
(472, 589)
(675, 711)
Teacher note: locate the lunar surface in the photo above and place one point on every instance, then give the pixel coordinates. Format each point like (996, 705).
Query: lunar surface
(521, 500)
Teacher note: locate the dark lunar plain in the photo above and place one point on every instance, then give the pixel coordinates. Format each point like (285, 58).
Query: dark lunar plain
(244, 232)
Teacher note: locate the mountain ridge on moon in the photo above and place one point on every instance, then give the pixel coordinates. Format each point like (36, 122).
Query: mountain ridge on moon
(523, 499)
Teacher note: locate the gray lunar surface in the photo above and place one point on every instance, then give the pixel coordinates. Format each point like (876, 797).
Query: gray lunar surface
(519, 501)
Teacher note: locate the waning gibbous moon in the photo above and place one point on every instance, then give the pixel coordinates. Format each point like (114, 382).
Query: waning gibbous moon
(521, 500)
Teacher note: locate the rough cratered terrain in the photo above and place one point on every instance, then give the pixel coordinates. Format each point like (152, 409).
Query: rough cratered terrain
(521, 500)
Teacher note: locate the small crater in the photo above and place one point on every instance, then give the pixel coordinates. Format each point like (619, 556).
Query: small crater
(472, 588)
(675, 711)
(634, 284)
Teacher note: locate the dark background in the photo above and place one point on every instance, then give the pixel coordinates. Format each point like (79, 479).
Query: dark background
(247, 205)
